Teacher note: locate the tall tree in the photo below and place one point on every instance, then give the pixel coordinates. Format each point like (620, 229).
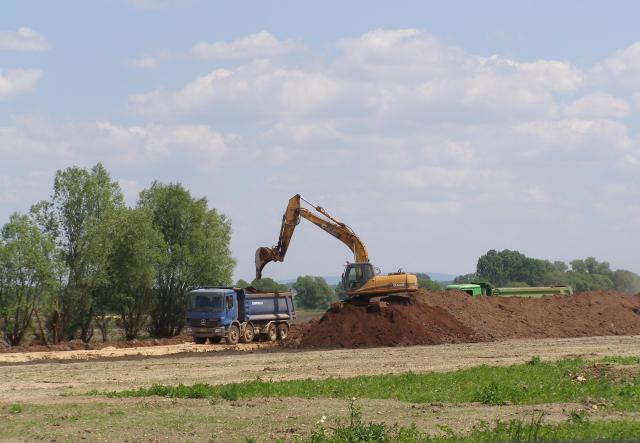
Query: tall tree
(313, 292)
(626, 281)
(339, 291)
(501, 268)
(425, 282)
(127, 249)
(27, 267)
(196, 251)
(242, 284)
(79, 198)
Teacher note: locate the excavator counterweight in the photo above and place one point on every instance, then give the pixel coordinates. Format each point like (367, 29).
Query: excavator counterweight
(360, 279)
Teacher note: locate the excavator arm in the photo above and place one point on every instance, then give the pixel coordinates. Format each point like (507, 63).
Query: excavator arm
(326, 222)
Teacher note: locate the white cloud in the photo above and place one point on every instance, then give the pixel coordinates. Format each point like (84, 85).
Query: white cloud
(625, 64)
(428, 208)
(255, 89)
(386, 75)
(145, 62)
(24, 39)
(538, 195)
(31, 137)
(8, 192)
(18, 81)
(599, 136)
(150, 61)
(621, 72)
(153, 142)
(597, 105)
(130, 188)
(255, 46)
(158, 4)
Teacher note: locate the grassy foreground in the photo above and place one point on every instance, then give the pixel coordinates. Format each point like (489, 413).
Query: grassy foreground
(577, 428)
(537, 382)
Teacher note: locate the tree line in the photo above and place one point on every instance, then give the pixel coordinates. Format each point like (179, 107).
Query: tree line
(512, 268)
(315, 293)
(311, 292)
(82, 257)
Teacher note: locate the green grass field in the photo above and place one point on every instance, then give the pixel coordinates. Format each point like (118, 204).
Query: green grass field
(537, 382)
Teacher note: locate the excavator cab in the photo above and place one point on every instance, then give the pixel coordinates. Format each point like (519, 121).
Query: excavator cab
(356, 275)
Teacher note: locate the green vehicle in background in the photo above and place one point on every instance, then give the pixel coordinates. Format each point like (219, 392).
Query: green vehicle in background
(482, 288)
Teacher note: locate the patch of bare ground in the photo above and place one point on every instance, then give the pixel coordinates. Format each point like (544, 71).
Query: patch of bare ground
(46, 380)
(77, 345)
(125, 352)
(614, 372)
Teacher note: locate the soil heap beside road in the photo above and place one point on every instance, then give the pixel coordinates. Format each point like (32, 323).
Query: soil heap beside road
(454, 317)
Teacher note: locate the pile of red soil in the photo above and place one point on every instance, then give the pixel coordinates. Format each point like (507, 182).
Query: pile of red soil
(454, 317)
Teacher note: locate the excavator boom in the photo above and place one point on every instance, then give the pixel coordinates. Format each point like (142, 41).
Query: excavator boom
(326, 222)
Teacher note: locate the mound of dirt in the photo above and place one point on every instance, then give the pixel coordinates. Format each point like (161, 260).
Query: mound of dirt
(579, 315)
(454, 317)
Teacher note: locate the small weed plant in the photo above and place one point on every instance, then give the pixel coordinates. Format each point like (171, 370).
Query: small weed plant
(15, 408)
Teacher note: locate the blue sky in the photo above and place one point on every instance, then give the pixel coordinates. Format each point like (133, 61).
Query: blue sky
(436, 130)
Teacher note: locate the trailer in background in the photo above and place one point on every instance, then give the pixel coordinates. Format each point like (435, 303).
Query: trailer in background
(238, 315)
(482, 288)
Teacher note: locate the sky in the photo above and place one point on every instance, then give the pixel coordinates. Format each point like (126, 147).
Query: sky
(436, 130)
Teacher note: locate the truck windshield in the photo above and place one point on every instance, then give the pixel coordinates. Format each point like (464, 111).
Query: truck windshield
(199, 301)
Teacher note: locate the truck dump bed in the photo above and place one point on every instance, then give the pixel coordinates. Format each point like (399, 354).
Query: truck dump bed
(261, 306)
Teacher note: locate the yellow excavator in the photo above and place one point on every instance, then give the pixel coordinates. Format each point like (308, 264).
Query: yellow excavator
(362, 282)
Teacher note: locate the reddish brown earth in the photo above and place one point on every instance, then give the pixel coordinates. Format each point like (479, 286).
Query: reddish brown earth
(454, 317)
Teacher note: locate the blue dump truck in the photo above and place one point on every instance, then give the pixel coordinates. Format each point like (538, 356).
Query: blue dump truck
(238, 315)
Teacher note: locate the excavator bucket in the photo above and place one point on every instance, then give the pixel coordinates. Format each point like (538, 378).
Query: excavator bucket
(263, 256)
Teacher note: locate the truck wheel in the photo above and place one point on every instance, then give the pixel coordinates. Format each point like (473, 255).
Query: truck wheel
(271, 333)
(233, 336)
(200, 340)
(283, 331)
(247, 336)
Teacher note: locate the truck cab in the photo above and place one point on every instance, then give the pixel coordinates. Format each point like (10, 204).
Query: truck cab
(210, 312)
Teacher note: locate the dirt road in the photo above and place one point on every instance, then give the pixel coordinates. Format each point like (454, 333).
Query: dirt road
(51, 381)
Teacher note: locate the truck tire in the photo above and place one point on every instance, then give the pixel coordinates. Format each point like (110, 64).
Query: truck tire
(200, 340)
(283, 331)
(271, 332)
(247, 334)
(233, 335)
